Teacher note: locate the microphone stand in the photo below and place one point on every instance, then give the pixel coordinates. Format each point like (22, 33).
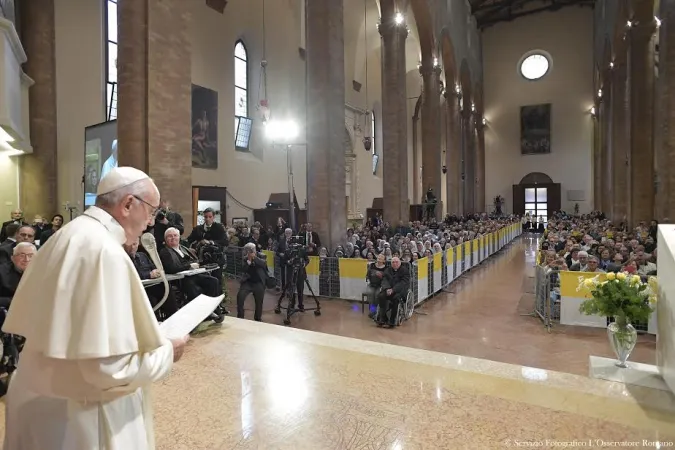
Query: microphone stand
(150, 245)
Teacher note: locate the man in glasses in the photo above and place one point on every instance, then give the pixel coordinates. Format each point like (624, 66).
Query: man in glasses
(93, 344)
(24, 233)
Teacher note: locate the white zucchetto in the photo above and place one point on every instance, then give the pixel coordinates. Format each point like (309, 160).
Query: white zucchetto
(118, 178)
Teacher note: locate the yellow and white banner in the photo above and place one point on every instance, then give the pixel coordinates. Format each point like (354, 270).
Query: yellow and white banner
(467, 256)
(475, 248)
(459, 259)
(269, 259)
(571, 299)
(422, 279)
(438, 271)
(486, 249)
(450, 264)
(352, 277)
(313, 273)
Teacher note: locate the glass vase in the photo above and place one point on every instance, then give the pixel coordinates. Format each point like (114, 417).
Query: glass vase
(622, 338)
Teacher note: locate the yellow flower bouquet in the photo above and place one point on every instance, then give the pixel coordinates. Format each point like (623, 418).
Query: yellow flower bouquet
(626, 299)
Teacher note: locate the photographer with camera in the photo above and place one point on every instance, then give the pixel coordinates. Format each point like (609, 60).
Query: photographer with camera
(209, 240)
(164, 220)
(253, 281)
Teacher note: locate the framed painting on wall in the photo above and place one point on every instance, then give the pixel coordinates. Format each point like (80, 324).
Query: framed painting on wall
(535, 129)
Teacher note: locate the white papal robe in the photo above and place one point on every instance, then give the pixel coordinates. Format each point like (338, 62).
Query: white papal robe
(93, 345)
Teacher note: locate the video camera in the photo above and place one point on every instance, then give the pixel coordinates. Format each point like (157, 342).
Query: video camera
(296, 254)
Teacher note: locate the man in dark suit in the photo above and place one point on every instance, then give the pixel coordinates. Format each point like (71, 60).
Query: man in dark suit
(17, 218)
(147, 271)
(253, 282)
(24, 233)
(164, 220)
(177, 258)
(312, 240)
(10, 273)
(211, 232)
(282, 251)
(395, 286)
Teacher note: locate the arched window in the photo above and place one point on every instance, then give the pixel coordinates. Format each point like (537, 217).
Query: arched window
(242, 124)
(111, 59)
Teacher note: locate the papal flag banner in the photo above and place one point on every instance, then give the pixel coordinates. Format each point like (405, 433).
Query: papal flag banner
(476, 251)
(438, 271)
(352, 277)
(484, 245)
(422, 278)
(269, 259)
(459, 260)
(450, 263)
(313, 273)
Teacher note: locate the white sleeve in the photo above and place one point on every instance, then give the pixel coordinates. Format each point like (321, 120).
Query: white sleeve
(127, 373)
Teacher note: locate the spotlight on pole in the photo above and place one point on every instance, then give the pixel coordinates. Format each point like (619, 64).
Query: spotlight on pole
(281, 131)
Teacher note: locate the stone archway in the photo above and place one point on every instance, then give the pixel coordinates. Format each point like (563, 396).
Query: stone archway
(536, 178)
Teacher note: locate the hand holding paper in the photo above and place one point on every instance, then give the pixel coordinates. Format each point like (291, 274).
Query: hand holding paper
(187, 318)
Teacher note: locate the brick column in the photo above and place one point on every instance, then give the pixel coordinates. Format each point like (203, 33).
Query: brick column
(453, 181)
(38, 171)
(154, 95)
(620, 148)
(597, 161)
(431, 131)
(394, 120)
(326, 202)
(641, 168)
(665, 153)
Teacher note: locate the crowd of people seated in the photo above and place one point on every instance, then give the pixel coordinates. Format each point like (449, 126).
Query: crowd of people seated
(591, 243)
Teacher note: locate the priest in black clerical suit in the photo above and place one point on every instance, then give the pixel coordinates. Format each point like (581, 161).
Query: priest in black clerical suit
(210, 232)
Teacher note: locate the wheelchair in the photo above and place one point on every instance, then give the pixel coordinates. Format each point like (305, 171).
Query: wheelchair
(217, 316)
(405, 309)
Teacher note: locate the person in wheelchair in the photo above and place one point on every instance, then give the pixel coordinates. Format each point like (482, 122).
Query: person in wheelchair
(147, 271)
(395, 286)
(177, 258)
(375, 275)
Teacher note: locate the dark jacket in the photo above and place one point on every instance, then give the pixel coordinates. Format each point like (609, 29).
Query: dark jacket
(256, 272)
(398, 280)
(175, 221)
(9, 281)
(215, 233)
(143, 265)
(3, 230)
(6, 251)
(373, 280)
(173, 262)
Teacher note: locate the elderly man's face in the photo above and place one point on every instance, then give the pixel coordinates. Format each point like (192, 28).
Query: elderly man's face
(25, 234)
(172, 239)
(22, 257)
(288, 234)
(17, 214)
(395, 263)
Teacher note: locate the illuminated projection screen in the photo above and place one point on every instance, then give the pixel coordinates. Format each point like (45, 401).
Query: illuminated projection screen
(100, 156)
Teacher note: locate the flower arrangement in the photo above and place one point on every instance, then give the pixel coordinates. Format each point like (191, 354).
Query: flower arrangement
(623, 296)
(627, 299)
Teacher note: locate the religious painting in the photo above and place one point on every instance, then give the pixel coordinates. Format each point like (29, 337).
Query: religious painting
(204, 128)
(535, 129)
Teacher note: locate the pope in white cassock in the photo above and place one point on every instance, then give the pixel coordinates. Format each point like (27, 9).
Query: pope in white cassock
(93, 345)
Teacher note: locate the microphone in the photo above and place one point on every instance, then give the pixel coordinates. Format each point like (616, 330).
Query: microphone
(150, 245)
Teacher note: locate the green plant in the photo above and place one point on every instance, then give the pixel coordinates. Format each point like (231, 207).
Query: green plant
(622, 296)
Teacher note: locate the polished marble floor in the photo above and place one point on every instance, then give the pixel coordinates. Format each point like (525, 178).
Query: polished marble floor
(481, 316)
(260, 386)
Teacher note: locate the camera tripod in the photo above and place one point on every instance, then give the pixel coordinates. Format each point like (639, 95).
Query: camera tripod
(292, 292)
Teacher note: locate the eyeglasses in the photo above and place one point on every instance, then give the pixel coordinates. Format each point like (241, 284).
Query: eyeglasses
(154, 208)
(27, 235)
(24, 255)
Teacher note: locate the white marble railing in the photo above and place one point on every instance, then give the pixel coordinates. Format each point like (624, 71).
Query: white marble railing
(665, 340)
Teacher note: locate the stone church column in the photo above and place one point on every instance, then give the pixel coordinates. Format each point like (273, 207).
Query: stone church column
(326, 200)
(606, 149)
(453, 152)
(641, 170)
(481, 204)
(620, 140)
(38, 171)
(154, 95)
(394, 120)
(468, 176)
(431, 131)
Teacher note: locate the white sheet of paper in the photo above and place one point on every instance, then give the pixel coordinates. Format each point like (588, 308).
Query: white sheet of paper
(189, 316)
